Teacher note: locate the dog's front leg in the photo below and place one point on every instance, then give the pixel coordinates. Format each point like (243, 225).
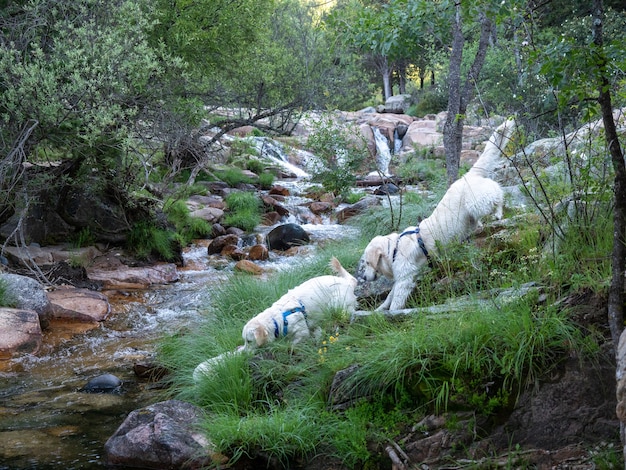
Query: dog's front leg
(403, 289)
(385, 305)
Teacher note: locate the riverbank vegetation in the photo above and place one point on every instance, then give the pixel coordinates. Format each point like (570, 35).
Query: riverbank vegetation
(281, 402)
(116, 99)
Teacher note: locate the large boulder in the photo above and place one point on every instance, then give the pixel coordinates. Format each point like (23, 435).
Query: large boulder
(165, 435)
(26, 293)
(20, 332)
(79, 305)
(125, 277)
(287, 236)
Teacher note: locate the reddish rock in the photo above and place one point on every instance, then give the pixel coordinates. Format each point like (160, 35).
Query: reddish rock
(271, 218)
(320, 207)
(274, 205)
(258, 253)
(279, 190)
(249, 267)
(134, 278)
(218, 243)
(20, 332)
(79, 305)
(233, 252)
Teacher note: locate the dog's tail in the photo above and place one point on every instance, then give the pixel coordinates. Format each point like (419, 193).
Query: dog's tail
(338, 269)
(491, 157)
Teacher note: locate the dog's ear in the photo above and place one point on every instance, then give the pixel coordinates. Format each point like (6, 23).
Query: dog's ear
(260, 335)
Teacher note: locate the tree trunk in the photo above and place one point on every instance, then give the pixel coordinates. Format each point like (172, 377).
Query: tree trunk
(459, 97)
(451, 136)
(383, 67)
(618, 256)
(616, 291)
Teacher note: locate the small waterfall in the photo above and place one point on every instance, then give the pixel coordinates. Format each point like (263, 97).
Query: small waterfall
(397, 142)
(383, 153)
(274, 151)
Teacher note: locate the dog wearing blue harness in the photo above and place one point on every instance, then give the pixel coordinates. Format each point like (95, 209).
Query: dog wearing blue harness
(297, 314)
(402, 257)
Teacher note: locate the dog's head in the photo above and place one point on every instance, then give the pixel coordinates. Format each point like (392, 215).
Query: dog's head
(255, 334)
(377, 258)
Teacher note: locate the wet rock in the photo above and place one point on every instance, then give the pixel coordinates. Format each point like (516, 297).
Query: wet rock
(357, 208)
(26, 293)
(386, 189)
(79, 305)
(235, 231)
(217, 230)
(258, 253)
(286, 236)
(105, 383)
(218, 243)
(320, 207)
(20, 332)
(271, 218)
(233, 252)
(248, 266)
(279, 190)
(274, 206)
(160, 436)
(125, 277)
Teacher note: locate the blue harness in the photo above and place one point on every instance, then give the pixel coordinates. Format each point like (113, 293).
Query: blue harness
(286, 322)
(420, 242)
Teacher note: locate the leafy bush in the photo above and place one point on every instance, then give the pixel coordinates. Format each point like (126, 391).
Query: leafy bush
(339, 153)
(432, 100)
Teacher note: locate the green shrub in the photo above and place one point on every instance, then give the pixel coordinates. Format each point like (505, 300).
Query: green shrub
(146, 240)
(233, 176)
(266, 180)
(429, 101)
(187, 227)
(6, 298)
(244, 210)
(338, 155)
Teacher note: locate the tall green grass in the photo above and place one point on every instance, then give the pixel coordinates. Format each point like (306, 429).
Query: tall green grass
(275, 403)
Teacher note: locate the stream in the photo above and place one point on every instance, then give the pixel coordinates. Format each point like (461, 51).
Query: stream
(46, 422)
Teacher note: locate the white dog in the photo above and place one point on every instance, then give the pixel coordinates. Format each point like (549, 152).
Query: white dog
(401, 257)
(298, 313)
(294, 316)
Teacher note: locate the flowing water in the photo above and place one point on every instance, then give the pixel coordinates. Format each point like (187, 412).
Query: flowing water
(46, 422)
